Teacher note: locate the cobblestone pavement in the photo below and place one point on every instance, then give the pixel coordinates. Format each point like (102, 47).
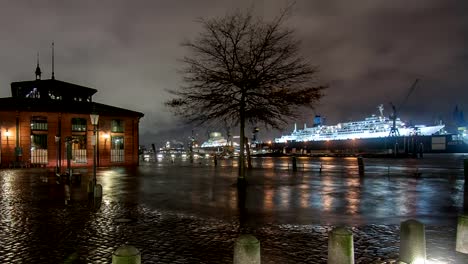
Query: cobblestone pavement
(38, 226)
(83, 234)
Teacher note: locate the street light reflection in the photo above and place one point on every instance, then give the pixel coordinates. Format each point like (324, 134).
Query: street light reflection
(434, 261)
(107, 180)
(268, 200)
(304, 195)
(353, 195)
(285, 196)
(327, 192)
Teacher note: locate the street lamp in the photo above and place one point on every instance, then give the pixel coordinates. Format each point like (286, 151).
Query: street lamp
(57, 146)
(94, 121)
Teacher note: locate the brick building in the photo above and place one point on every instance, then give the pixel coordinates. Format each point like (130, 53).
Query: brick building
(47, 123)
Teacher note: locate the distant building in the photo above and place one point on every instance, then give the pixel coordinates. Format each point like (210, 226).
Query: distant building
(45, 122)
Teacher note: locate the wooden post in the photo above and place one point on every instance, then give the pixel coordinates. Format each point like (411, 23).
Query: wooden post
(465, 172)
(360, 166)
(294, 163)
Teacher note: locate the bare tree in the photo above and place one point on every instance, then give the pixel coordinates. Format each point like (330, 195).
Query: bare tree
(243, 69)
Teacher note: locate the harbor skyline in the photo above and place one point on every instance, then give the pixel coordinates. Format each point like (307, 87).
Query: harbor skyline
(369, 54)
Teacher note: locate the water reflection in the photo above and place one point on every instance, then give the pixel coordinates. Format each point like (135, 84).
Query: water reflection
(305, 194)
(268, 203)
(327, 193)
(274, 193)
(353, 195)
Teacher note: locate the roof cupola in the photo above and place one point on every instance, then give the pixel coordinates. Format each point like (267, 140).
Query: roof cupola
(38, 69)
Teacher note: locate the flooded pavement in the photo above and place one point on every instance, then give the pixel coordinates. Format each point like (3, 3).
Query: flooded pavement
(182, 212)
(389, 192)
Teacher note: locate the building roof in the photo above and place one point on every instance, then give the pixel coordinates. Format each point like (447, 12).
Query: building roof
(58, 106)
(66, 89)
(59, 97)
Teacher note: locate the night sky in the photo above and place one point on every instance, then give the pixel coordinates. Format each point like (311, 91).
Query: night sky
(369, 52)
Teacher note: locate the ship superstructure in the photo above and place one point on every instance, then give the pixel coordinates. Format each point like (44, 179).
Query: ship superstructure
(375, 126)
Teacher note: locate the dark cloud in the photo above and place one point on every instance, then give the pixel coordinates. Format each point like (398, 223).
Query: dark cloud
(369, 51)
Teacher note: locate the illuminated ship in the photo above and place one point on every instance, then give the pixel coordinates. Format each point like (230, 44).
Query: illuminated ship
(215, 140)
(371, 127)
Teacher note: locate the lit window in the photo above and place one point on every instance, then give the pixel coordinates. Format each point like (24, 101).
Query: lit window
(117, 126)
(78, 124)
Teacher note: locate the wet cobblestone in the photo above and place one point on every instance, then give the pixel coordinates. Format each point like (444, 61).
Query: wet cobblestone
(36, 226)
(84, 234)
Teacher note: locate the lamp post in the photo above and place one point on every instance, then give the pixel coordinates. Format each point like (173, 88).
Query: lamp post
(94, 121)
(57, 166)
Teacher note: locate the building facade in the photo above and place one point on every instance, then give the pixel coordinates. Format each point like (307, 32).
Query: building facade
(47, 123)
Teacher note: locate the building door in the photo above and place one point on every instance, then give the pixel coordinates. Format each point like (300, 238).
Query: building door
(117, 149)
(39, 149)
(78, 146)
(39, 128)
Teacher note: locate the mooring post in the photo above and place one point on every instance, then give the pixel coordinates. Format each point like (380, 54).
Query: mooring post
(465, 189)
(247, 250)
(465, 171)
(360, 166)
(340, 246)
(412, 242)
(294, 163)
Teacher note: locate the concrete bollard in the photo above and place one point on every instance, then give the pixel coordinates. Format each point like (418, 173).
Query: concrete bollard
(294, 163)
(126, 254)
(247, 250)
(98, 191)
(340, 246)
(412, 242)
(462, 234)
(360, 166)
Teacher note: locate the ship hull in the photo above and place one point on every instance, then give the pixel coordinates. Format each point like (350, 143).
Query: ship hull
(400, 144)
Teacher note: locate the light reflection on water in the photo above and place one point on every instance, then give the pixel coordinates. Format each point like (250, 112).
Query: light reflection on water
(275, 193)
(353, 195)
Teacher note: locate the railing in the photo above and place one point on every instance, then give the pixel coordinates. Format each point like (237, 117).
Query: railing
(39, 126)
(78, 127)
(117, 155)
(79, 156)
(39, 156)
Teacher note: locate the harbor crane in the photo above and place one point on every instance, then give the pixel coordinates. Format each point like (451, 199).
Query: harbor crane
(394, 130)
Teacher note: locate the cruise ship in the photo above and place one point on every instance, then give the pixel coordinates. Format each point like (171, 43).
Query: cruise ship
(375, 126)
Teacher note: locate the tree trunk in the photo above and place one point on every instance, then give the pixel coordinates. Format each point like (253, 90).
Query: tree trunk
(241, 176)
(241, 156)
(247, 149)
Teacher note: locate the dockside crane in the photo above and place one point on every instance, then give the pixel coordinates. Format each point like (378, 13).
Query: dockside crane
(394, 130)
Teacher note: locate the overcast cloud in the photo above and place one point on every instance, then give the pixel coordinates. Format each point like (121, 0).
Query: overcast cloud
(369, 52)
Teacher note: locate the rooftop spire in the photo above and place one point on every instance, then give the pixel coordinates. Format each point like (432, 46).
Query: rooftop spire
(38, 69)
(53, 75)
